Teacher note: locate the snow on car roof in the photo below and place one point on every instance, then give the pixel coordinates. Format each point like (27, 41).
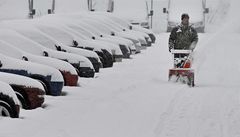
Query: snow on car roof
(20, 80)
(15, 38)
(16, 52)
(8, 50)
(30, 67)
(7, 90)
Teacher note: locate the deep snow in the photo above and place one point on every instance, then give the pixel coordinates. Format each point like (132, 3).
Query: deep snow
(134, 98)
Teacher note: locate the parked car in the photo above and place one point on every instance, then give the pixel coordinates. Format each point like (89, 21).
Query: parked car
(142, 37)
(29, 92)
(68, 71)
(127, 25)
(76, 26)
(110, 27)
(104, 51)
(66, 38)
(50, 77)
(34, 42)
(9, 103)
(70, 37)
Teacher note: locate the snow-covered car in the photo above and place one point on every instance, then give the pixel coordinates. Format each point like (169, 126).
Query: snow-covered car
(67, 41)
(9, 103)
(82, 64)
(108, 29)
(67, 36)
(142, 37)
(110, 26)
(127, 25)
(90, 33)
(133, 29)
(68, 71)
(149, 32)
(30, 92)
(103, 51)
(34, 42)
(50, 77)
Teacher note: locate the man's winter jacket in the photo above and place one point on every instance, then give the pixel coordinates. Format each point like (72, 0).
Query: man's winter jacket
(183, 37)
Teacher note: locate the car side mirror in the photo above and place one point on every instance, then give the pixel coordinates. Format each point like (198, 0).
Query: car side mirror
(206, 10)
(1, 64)
(165, 10)
(58, 48)
(45, 53)
(25, 58)
(75, 43)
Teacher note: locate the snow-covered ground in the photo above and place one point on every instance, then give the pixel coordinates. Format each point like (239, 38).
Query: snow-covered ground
(135, 99)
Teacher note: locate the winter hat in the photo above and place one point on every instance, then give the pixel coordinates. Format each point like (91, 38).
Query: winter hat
(184, 15)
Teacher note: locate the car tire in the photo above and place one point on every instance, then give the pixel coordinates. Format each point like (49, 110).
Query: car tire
(7, 107)
(22, 100)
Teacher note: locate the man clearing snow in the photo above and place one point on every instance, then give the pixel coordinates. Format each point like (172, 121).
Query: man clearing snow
(183, 36)
(182, 42)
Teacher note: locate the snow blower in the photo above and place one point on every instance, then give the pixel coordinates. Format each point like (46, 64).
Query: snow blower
(182, 71)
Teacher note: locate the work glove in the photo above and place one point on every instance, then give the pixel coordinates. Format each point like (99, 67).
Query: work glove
(170, 46)
(169, 49)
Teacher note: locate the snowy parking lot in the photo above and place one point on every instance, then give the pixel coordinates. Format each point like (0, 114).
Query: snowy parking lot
(135, 99)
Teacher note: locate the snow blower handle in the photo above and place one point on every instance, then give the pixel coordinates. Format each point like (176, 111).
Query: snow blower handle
(187, 61)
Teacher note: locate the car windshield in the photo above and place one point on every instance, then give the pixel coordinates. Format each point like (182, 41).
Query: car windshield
(57, 34)
(80, 30)
(22, 43)
(39, 38)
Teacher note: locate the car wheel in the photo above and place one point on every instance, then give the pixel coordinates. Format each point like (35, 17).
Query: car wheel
(22, 102)
(7, 107)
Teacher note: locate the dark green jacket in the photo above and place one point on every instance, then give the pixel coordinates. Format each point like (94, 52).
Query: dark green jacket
(183, 37)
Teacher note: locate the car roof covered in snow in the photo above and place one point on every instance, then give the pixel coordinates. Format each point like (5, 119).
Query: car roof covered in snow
(20, 80)
(7, 90)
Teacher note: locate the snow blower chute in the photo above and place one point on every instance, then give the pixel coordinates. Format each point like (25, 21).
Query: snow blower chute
(182, 71)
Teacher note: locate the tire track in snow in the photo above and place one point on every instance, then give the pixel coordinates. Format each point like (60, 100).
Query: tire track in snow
(200, 113)
(175, 114)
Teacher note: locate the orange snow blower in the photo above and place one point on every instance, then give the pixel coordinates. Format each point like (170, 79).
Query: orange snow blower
(182, 70)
